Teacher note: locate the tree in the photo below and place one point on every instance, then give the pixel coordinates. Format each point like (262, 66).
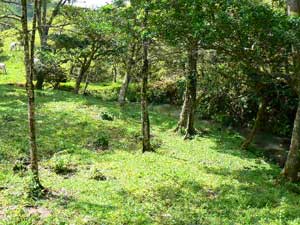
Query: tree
(145, 75)
(45, 22)
(126, 20)
(94, 31)
(29, 48)
(293, 7)
(256, 38)
(186, 24)
(292, 165)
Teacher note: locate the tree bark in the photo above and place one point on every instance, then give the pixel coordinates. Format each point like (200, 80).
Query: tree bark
(87, 81)
(127, 78)
(257, 124)
(292, 165)
(79, 80)
(29, 45)
(182, 123)
(192, 86)
(84, 67)
(115, 73)
(186, 121)
(144, 100)
(293, 7)
(39, 81)
(124, 89)
(43, 29)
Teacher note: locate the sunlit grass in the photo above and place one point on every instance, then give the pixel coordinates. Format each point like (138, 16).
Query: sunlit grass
(208, 180)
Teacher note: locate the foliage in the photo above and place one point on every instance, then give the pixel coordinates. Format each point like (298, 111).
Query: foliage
(97, 174)
(61, 164)
(107, 116)
(50, 66)
(101, 142)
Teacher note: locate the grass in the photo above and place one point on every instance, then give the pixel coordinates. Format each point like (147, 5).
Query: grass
(207, 180)
(14, 64)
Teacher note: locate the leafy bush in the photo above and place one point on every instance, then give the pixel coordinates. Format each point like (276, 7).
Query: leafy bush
(49, 67)
(97, 174)
(156, 143)
(21, 165)
(61, 165)
(101, 142)
(160, 92)
(107, 116)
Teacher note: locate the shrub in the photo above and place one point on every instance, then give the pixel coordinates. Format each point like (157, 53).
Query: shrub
(21, 165)
(101, 143)
(107, 116)
(61, 165)
(98, 175)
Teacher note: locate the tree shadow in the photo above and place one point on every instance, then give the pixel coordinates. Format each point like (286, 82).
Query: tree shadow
(258, 188)
(229, 142)
(4, 58)
(62, 123)
(248, 202)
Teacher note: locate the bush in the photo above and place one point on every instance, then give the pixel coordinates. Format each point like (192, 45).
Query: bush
(107, 116)
(159, 92)
(21, 165)
(101, 143)
(98, 175)
(61, 165)
(49, 67)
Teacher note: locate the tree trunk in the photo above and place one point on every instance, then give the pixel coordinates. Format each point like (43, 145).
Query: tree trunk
(115, 73)
(39, 81)
(182, 123)
(144, 100)
(187, 115)
(79, 80)
(192, 87)
(43, 29)
(29, 45)
(292, 165)
(84, 67)
(127, 78)
(293, 7)
(43, 34)
(87, 81)
(257, 124)
(124, 89)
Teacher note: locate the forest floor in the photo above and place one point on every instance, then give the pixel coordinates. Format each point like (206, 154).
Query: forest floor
(207, 180)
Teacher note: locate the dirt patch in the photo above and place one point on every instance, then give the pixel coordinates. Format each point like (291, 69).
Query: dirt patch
(38, 211)
(274, 148)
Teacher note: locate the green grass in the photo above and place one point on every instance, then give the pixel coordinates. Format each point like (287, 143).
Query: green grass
(14, 61)
(208, 180)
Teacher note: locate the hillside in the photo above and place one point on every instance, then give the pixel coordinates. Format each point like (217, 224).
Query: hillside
(208, 180)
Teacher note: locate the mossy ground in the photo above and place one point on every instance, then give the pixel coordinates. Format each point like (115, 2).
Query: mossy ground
(207, 180)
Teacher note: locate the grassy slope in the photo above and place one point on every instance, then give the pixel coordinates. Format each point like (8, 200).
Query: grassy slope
(204, 181)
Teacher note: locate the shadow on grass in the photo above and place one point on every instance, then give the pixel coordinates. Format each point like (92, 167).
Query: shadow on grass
(4, 58)
(66, 124)
(254, 199)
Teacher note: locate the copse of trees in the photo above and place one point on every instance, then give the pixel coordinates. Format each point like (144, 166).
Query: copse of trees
(239, 58)
(185, 24)
(259, 48)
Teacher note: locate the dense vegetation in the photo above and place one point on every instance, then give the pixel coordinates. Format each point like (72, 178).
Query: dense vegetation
(150, 112)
